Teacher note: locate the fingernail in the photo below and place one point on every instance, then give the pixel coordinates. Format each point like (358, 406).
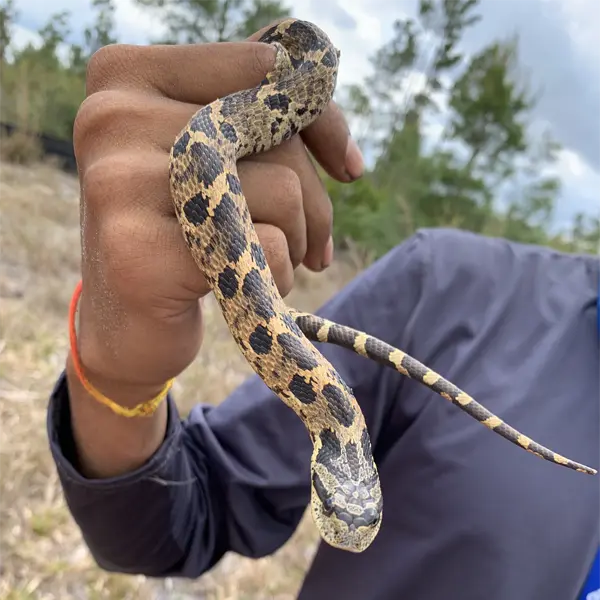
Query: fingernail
(328, 254)
(354, 160)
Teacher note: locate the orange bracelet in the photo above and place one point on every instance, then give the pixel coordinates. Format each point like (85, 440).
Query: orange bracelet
(145, 409)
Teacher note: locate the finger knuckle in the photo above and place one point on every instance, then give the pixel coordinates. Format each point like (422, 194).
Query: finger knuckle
(291, 192)
(103, 65)
(274, 243)
(263, 59)
(123, 246)
(102, 231)
(275, 246)
(94, 110)
(291, 216)
(104, 179)
(120, 254)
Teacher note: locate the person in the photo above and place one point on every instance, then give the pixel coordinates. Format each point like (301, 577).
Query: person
(465, 513)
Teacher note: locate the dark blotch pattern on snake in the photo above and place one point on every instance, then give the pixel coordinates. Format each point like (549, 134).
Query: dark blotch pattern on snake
(346, 499)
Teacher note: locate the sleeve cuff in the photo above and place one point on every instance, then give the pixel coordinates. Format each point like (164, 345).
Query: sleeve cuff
(62, 444)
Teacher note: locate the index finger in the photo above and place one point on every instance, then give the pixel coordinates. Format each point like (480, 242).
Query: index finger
(192, 73)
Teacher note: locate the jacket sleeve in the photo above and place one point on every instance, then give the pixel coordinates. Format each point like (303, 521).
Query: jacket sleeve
(234, 477)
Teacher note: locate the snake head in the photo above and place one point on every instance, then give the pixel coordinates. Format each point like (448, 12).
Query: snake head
(348, 513)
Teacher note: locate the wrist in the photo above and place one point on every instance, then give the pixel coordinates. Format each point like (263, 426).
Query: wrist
(108, 445)
(115, 392)
(123, 393)
(126, 350)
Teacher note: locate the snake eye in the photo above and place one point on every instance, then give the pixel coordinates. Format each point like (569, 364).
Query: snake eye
(324, 497)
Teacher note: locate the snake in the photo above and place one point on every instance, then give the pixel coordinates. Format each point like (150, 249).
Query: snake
(278, 341)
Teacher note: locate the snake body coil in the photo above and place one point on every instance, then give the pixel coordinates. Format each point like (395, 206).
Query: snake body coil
(346, 498)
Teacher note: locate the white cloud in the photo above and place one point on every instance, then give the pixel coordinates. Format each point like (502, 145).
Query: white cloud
(571, 165)
(582, 19)
(23, 36)
(581, 186)
(135, 24)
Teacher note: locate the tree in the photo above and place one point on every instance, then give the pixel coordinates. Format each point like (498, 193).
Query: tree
(485, 171)
(202, 21)
(585, 234)
(491, 120)
(489, 109)
(8, 14)
(40, 91)
(7, 17)
(409, 70)
(101, 33)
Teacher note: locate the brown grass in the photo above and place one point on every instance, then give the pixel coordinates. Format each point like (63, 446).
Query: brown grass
(42, 553)
(20, 148)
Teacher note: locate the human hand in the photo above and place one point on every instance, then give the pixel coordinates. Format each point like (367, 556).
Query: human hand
(140, 320)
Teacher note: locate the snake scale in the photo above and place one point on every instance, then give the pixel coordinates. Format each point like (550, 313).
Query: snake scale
(346, 499)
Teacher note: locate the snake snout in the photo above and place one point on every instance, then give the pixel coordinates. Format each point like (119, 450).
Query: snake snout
(369, 517)
(353, 532)
(349, 517)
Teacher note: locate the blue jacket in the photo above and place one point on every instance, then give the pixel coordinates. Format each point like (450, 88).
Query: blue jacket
(467, 515)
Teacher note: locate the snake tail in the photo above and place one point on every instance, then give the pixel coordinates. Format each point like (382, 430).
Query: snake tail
(321, 330)
(346, 500)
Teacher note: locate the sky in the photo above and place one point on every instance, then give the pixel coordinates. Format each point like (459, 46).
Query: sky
(558, 46)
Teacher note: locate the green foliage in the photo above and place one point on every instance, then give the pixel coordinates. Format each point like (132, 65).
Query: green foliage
(42, 89)
(360, 215)
(488, 109)
(95, 37)
(485, 170)
(584, 235)
(44, 85)
(38, 94)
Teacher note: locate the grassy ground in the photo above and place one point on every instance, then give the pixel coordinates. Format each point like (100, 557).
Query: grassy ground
(42, 553)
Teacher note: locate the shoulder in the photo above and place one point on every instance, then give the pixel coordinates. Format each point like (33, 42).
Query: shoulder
(446, 247)
(432, 261)
(449, 250)
(456, 258)
(443, 270)
(446, 273)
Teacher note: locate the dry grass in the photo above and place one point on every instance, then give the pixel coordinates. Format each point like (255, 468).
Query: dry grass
(20, 148)
(42, 553)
